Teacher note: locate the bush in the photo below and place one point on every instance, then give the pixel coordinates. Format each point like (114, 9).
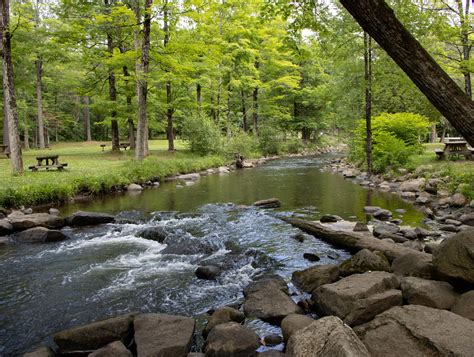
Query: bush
(269, 141)
(294, 145)
(242, 143)
(202, 135)
(394, 138)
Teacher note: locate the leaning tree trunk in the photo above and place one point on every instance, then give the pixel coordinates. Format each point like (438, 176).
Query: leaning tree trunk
(11, 114)
(368, 100)
(39, 101)
(142, 128)
(379, 20)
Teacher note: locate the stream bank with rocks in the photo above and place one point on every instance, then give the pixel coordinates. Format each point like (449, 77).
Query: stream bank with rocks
(389, 298)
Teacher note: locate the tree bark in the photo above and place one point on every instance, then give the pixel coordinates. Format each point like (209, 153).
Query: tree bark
(87, 118)
(434, 134)
(169, 97)
(244, 111)
(6, 140)
(11, 114)
(199, 95)
(379, 20)
(26, 135)
(255, 104)
(368, 100)
(466, 47)
(142, 128)
(39, 100)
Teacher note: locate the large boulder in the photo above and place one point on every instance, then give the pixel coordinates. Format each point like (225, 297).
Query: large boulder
(157, 234)
(96, 335)
(293, 323)
(359, 297)
(464, 306)
(415, 330)
(328, 336)
(5, 227)
(269, 303)
(431, 293)
(207, 272)
(467, 219)
(363, 261)
(82, 218)
(413, 264)
(21, 222)
(454, 259)
(40, 235)
(41, 352)
(230, 340)
(267, 281)
(114, 349)
(221, 316)
(312, 278)
(163, 335)
(385, 229)
(415, 185)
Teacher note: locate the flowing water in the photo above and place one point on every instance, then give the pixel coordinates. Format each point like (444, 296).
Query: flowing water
(109, 270)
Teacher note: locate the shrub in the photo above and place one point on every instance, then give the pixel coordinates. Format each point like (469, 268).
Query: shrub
(202, 135)
(270, 141)
(294, 145)
(242, 143)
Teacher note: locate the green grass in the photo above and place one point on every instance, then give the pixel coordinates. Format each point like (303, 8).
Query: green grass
(92, 171)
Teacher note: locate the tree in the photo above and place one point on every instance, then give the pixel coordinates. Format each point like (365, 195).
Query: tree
(378, 19)
(11, 115)
(368, 99)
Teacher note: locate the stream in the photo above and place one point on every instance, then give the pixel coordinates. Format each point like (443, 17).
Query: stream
(109, 270)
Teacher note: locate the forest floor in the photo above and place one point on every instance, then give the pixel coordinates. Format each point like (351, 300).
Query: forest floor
(90, 170)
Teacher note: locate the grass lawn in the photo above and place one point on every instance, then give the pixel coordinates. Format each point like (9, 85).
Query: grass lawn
(93, 171)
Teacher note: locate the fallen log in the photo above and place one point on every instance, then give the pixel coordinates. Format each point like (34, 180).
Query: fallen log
(353, 241)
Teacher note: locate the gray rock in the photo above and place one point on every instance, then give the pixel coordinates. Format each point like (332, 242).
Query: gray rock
(269, 282)
(424, 233)
(114, 349)
(383, 214)
(27, 210)
(397, 238)
(221, 316)
(328, 336)
(231, 339)
(157, 234)
(329, 218)
(39, 235)
(311, 278)
(81, 218)
(360, 227)
(464, 306)
(21, 222)
(449, 228)
(424, 198)
(96, 335)
(385, 229)
(414, 244)
(54, 211)
(271, 353)
(196, 354)
(293, 323)
(467, 219)
(189, 177)
(268, 203)
(454, 259)
(458, 200)
(6, 227)
(409, 234)
(415, 330)
(412, 265)
(163, 335)
(364, 261)
(272, 340)
(207, 272)
(430, 247)
(311, 257)
(415, 185)
(371, 209)
(453, 222)
(41, 352)
(358, 298)
(431, 293)
(408, 195)
(134, 187)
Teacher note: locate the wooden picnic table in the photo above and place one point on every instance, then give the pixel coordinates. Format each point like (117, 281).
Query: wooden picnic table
(124, 145)
(4, 150)
(47, 162)
(453, 148)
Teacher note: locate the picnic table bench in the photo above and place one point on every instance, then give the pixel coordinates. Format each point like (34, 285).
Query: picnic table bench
(47, 162)
(124, 145)
(453, 148)
(4, 150)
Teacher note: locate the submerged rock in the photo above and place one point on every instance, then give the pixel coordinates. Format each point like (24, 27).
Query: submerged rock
(157, 234)
(81, 218)
(359, 297)
(39, 235)
(163, 335)
(311, 257)
(231, 339)
(328, 336)
(272, 340)
(415, 330)
(207, 272)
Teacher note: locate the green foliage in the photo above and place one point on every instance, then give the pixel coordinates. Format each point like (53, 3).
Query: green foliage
(243, 143)
(270, 141)
(394, 138)
(202, 135)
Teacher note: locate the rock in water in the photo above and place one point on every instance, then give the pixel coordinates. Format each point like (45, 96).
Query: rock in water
(268, 203)
(385, 229)
(382, 214)
(157, 234)
(311, 257)
(114, 349)
(5, 227)
(21, 222)
(328, 336)
(359, 297)
(231, 339)
(431, 293)
(207, 272)
(134, 187)
(414, 330)
(221, 316)
(81, 218)
(41, 352)
(464, 306)
(363, 261)
(163, 335)
(39, 235)
(272, 340)
(360, 227)
(313, 277)
(329, 218)
(454, 259)
(94, 336)
(293, 323)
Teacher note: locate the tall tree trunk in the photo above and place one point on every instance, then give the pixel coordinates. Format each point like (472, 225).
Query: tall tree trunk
(169, 97)
(6, 139)
(26, 135)
(11, 114)
(244, 111)
(255, 104)
(87, 118)
(39, 100)
(199, 96)
(368, 100)
(379, 20)
(466, 47)
(113, 97)
(142, 128)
